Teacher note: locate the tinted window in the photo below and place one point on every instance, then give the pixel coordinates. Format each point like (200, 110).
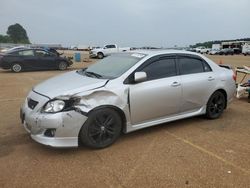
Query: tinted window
(190, 65)
(161, 69)
(41, 53)
(110, 46)
(26, 53)
(207, 68)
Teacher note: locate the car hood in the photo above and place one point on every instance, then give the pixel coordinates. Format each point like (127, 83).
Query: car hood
(68, 84)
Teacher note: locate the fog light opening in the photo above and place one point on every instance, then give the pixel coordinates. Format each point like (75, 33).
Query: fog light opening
(50, 132)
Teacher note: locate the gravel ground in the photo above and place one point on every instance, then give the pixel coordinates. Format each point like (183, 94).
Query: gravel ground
(194, 152)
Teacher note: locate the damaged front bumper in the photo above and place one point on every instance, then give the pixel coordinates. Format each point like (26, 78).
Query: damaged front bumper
(53, 129)
(92, 54)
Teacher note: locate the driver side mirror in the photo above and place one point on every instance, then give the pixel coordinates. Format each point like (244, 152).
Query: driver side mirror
(140, 77)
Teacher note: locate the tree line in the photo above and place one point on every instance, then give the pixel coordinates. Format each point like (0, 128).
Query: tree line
(15, 34)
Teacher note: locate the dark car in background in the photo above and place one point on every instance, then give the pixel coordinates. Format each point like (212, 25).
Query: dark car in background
(33, 59)
(237, 50)
(226, 51)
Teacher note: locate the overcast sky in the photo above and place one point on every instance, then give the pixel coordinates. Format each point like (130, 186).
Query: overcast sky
(128, 22)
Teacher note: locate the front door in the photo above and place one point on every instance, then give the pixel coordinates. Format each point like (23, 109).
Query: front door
(45, 60)
(160, 95)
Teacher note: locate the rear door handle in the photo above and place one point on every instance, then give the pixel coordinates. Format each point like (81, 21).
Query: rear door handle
(175, 84)
(210, 78)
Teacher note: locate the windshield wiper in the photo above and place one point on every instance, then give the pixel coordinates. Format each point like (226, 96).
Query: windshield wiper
(88, 73)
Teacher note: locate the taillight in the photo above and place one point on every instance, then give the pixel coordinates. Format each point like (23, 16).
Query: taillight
(234, 76)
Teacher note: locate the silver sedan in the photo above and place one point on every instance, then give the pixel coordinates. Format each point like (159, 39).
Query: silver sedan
(123, 93)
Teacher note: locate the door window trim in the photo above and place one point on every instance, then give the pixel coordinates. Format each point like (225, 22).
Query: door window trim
(130, 78)
(204, 63)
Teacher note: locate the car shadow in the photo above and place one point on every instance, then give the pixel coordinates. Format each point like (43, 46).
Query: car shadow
(10, 142)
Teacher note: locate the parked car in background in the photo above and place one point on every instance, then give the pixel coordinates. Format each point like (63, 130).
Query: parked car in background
(123, 93)
(245, 48)
(226, 51)
(237, 50)
(202, 50)
(191, 49)
(213, 52)
(247, 52)
(32, 59)
(106, 51)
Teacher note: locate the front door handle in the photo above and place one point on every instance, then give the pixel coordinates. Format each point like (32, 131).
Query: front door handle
(210, 78)
(175, 84)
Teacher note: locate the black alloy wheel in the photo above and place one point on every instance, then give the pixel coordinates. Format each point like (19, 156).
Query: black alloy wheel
(101, 129)
(216, 105)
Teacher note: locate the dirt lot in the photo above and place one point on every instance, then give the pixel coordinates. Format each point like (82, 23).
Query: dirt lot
(189, 153)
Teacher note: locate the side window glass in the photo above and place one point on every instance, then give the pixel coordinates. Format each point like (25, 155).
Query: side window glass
(41, 53)
(110, 46)
(161, 69)
(190, 65)
(26, 53)
(207, 68)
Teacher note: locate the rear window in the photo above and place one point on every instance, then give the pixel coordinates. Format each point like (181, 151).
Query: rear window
(191, 65)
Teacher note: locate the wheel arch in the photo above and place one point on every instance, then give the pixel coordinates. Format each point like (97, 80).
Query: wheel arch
(115, 108)
(223, 91)
(63, 60)
(100, 53)
(17, 62)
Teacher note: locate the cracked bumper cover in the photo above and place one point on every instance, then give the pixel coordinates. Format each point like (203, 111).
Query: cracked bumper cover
(67, 126)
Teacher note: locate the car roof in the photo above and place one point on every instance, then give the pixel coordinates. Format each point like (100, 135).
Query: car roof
(164, 51)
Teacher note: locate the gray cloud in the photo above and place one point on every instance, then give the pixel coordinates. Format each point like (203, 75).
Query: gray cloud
(127, 22)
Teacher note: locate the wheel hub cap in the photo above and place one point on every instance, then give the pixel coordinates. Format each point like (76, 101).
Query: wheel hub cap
(102, 128)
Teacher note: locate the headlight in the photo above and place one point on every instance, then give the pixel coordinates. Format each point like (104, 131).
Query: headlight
(54, 106)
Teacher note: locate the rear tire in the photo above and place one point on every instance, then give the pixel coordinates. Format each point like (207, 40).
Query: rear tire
(16, 67)
(101, 129)
(62, 65)
(215, 105)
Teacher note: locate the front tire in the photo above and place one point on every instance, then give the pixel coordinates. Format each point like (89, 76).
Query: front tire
(100, 55)
(215, 105)
(101, 129)
(16, 68)
(62, 65)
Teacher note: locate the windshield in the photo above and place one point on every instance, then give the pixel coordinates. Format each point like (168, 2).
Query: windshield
(113, 66)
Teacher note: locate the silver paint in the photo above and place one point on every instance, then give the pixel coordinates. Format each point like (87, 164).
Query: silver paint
(144, 104)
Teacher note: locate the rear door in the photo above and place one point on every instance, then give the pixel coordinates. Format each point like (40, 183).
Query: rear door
(198, 82)
(159, 96)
